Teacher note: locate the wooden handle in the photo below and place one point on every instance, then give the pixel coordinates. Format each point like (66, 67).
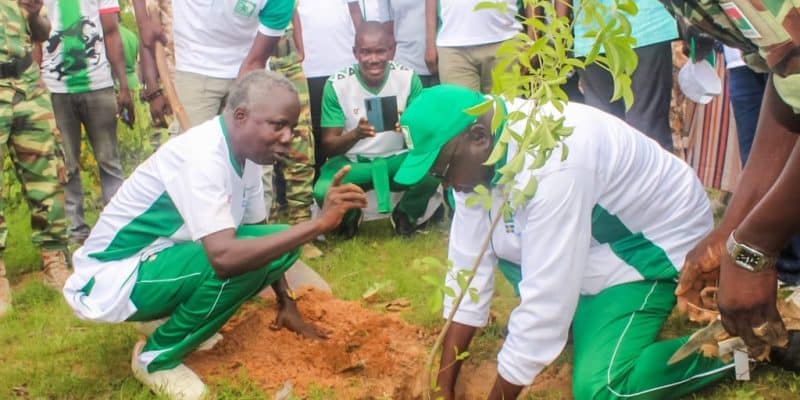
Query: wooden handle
(164, 74)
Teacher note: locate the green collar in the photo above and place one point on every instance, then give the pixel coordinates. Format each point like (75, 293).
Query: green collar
(502, 161)
(235, 164)
(364, 83)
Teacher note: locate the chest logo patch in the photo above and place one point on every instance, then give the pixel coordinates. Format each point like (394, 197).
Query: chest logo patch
(245, 8)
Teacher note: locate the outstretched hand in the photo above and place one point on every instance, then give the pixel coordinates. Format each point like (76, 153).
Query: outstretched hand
(700, 273)
(340, 199)
(289, 318)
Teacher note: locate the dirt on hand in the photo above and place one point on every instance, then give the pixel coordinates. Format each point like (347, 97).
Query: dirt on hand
(367, 355)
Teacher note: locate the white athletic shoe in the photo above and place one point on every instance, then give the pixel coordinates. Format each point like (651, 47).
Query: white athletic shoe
(179, 383)
(147, 328)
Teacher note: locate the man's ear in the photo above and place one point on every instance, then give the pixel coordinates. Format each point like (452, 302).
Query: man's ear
(480, 132)
(239, 115)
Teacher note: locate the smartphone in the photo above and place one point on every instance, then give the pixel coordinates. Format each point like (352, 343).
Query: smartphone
(382, 112)
(126, 117)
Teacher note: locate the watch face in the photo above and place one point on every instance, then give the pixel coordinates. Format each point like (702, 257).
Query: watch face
(749, 259)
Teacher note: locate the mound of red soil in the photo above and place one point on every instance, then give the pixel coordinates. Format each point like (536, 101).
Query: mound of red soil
(368, 354)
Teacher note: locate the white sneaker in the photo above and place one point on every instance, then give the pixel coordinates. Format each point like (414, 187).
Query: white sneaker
(179, 383)
(148, 327)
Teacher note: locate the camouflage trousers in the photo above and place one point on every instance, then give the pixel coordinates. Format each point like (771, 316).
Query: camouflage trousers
(28, 128)
(298, 172)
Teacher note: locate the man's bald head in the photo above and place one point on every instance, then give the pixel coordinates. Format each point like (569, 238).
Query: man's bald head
(374, 29)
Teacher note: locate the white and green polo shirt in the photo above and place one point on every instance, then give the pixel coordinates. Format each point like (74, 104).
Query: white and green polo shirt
(190, 188)
(343, 106)
(74, 56)
(212, 38)
(619, 209)
(462, 26)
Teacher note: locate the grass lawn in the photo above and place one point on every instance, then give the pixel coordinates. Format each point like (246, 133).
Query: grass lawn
(46, 353)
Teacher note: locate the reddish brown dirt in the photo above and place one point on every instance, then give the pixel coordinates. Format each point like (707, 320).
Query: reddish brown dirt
(368, 355)
(476, 380)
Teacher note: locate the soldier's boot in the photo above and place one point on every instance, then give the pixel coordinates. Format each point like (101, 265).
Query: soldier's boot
(54, 266)
(5, 290)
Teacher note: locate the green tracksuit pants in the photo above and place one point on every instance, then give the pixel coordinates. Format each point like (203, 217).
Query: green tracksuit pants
(180, 283)
(378, 174)
(616, 354)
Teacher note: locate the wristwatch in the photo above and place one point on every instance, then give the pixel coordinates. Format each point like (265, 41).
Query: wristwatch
(748, 258)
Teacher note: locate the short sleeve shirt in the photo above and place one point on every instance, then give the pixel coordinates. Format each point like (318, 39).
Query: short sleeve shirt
(74, 56)
(343, 106)
(212, 38)
(190, 188)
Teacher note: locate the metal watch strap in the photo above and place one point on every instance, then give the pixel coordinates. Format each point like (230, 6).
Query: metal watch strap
(747, 257)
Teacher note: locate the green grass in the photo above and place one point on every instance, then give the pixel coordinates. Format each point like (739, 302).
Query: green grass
(46, 353)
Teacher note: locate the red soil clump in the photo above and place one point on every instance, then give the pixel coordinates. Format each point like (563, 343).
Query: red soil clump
(367, 355)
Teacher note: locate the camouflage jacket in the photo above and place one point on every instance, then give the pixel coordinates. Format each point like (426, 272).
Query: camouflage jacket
(767, 32)
(15, 42)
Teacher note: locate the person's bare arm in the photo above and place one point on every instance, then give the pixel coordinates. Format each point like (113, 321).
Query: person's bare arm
(116, 57)
(773, 143)
(747, 299)
(159, 107)
(263, 47)
(149, 30)
(431, 22)
(355, 14)
(230, 256)
(38, 23)
(297, 35)
(335, 141)
(456, 341)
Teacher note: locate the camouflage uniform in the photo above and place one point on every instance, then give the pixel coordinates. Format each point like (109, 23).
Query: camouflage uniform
(28, 128)
(767, 32)
(299, 171)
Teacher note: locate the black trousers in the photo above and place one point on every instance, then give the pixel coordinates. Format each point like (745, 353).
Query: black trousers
(652, 91)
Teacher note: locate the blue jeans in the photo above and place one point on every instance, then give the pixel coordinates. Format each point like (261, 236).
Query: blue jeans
(747, 90)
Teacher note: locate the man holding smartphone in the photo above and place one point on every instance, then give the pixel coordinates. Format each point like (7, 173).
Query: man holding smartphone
(353, 101)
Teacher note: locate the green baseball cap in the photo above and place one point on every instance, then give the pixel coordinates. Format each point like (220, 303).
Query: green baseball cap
(433, 118)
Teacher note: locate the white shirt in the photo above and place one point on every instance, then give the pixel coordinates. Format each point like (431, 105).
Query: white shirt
(212, 37)
(409, 32)
(328, 36)
(617, 194)
(372, 10)
(74, 56)
(343, 106)
(461, 26)
(189, 189)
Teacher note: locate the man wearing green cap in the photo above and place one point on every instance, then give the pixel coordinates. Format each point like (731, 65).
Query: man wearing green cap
(373, 153)
(599, 246)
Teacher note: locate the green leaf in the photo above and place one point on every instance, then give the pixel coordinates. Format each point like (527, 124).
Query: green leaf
(530, 188)
(498, 152)
(473, 295)
(472, 201)
(480, 109)
(461, 280)
(448, 291)
(461, 356)
(564, 152)
(491, 5)
(435, 302)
